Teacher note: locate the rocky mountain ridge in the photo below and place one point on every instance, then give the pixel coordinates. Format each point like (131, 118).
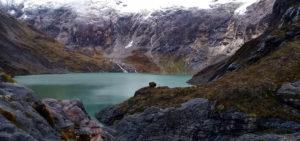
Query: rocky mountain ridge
(25, 50)
(171, 41)
(255, 49)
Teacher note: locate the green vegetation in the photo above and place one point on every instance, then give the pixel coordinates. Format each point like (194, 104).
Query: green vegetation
(6, 78)
(173, 65)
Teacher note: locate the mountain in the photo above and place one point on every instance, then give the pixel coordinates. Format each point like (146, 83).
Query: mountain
(25, 50)
(253, 95)
(172, 40)
(254, 50)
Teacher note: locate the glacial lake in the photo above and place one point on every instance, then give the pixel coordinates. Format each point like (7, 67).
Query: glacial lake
(96, 90)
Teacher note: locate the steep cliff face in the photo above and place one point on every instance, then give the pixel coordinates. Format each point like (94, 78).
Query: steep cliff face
(25, 50)
(173, 40)
(279, 32)
(256, 99)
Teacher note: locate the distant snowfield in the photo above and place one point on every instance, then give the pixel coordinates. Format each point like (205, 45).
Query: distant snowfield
(131, 6)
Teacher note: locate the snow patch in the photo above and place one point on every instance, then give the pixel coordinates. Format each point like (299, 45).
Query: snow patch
(129, 45)
(243, 9)
(129, 6)
(24, 17)
(12, 12)
(149, 15)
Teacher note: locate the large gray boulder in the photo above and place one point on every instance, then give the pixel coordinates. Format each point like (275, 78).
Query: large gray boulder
(290, 94)
(199, 120)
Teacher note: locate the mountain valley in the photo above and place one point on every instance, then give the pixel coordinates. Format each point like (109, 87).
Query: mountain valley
(245, 57)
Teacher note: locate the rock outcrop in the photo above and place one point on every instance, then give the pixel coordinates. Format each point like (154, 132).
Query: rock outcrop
(23, 117)
(284, 28)
(174, 40)
(70, 117)
(200, 119)
(18, 118)
(290, 93)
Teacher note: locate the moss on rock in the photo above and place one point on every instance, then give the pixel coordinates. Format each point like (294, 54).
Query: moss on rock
(6, 78)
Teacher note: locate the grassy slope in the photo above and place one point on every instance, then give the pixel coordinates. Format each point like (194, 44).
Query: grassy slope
(141, 62)
(26, 50)
(250, 89)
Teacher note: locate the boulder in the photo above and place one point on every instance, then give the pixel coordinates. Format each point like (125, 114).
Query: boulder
(152, 84)
(290, 94)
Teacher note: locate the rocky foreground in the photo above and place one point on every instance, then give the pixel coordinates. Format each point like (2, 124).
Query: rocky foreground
(23, 117)
(200, 119)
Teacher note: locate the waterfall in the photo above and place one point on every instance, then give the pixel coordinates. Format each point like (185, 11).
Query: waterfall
(125, 71)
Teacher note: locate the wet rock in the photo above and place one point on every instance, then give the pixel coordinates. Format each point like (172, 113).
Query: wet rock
(290, 94)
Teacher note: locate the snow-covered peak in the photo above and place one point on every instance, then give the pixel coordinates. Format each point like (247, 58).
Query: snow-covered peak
(128, 6)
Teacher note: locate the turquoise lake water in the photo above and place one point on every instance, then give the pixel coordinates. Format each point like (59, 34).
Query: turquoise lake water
(96, 90)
